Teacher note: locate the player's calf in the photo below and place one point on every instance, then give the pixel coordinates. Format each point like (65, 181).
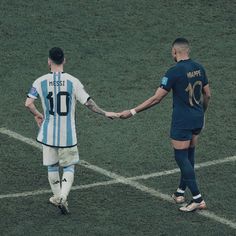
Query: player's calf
(67, 181)
(54, 179)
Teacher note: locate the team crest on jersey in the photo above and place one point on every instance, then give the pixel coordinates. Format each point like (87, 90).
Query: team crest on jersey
(33, 91)
(164, 81)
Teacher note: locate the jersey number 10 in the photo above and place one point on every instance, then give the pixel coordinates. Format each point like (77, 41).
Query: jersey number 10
(193, 90)
(59, 103)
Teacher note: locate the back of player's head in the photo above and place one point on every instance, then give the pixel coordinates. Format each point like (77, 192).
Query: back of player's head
(180, 42)
(180, 48)
(56, 54)
(181, 45)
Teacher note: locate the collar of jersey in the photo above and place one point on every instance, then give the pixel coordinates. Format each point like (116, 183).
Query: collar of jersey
(57, 72)
(184, 60)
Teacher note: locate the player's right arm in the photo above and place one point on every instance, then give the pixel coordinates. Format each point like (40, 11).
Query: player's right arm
(205, 91)
(150, 102)
(29, 103)
(206, 96)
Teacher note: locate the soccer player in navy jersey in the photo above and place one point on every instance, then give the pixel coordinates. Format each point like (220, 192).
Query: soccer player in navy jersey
(59, 93)
(191, 94)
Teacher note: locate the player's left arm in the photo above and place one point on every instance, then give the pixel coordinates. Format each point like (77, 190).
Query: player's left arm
(150, 102)
(29, 103)
(90, 104)
(83, 97)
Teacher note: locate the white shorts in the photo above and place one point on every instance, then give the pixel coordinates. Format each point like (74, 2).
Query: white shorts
(63, 156)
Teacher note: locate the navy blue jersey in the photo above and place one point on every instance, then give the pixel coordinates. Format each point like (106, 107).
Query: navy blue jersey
(186, 79)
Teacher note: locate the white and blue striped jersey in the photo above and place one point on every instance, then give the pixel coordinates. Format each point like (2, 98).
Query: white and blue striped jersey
(59, 93)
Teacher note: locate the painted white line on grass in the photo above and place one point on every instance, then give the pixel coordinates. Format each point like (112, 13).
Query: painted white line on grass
(140, 177)
(214, 217)
(126, 181)
(20, 137)
(97, 184)
(173, 171)
(23, 139)
(156, 193)
(25, 194)
(45, 191)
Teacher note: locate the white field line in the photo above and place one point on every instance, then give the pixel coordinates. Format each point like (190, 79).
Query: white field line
(44, 191)
(173, 171)
(21, 138)
(128, 181)
(156, 193)
(140, 177)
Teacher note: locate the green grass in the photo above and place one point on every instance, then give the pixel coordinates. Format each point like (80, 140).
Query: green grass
(102, 215)
(119, 50)
(219, 196)
(26, 170)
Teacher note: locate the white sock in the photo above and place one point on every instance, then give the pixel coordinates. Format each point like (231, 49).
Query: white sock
(67, 181)
(180, 191)
(54, 180)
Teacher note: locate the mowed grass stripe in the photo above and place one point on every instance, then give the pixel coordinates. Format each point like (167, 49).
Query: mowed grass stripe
(126, 181)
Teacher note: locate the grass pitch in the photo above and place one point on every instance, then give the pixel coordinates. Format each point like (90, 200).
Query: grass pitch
(119, 50)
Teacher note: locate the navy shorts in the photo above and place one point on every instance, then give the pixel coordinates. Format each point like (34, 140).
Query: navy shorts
(183, 134)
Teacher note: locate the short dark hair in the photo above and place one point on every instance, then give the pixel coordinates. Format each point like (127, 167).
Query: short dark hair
(56, 54)
(180, 41)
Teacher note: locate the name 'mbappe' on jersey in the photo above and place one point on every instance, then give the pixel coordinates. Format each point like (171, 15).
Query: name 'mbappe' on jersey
(59, 93)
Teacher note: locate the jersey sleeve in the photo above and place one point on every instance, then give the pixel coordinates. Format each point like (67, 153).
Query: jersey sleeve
(167, 82)
(80, 93)
(33, 92)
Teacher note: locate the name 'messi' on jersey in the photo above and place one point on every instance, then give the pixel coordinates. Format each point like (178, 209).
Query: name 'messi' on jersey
(56, 83)
(59, 93)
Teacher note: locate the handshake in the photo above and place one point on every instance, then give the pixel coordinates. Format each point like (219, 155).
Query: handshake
(122, 115)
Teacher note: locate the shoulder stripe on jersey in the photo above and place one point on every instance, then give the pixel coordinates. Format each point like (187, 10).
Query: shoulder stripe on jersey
(46, 121)
(69, 139)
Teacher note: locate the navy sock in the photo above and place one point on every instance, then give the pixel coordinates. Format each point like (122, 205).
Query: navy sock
(191, 152)
(187, 170)
(191, 155)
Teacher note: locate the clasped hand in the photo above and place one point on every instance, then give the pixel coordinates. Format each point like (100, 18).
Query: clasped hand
(122, 115)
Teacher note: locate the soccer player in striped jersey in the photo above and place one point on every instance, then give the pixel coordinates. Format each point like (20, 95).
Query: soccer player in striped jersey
(59, 93)
(191, 94)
